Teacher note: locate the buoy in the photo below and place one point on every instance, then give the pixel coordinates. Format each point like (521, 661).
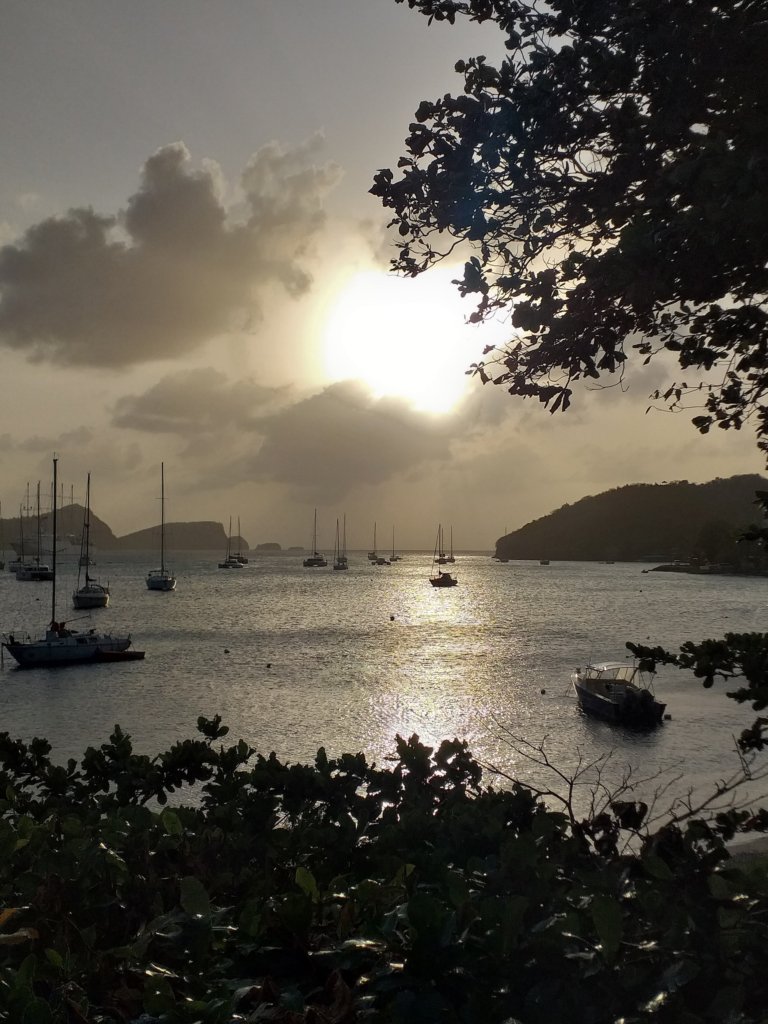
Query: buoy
(226, 650)
(269, 664)
(391, 618)
(543, 690)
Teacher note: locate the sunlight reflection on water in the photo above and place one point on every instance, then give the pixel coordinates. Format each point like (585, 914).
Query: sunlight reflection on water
(294, 659)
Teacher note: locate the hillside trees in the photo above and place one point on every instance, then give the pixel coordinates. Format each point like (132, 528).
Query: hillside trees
(609, 177)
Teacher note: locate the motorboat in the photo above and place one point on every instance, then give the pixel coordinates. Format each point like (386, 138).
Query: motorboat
(617, 691)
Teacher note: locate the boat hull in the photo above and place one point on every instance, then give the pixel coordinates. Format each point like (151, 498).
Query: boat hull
(73, 648)
(443, 580)
(82, 599)
(160, 581)
(635, 708)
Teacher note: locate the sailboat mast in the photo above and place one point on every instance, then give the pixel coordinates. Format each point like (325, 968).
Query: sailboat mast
(86, 531)
(162, 517)
(53, 542)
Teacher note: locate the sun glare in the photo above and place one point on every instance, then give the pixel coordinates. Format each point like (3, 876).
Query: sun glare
(403, 337)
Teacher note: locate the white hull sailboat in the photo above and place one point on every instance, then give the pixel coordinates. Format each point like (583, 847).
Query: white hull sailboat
(315, 560)
(63, 646)
(91, 594)
(162, 578)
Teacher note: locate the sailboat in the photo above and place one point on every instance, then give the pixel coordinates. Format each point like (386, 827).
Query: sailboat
(373, 556)
(450, 557)
(161, 579)
(91, 594)
(242, 559)
(62, 646)
(230, 561)
(315, 560)
(393, 557)
(18, 562)
(340, 560)
(35, 571)
(438, 578)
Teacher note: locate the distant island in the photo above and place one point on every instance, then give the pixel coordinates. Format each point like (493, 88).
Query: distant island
(195, 536)
(269, 546)
(689, 527)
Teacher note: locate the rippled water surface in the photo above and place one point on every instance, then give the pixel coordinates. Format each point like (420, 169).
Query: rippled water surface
(296, 658)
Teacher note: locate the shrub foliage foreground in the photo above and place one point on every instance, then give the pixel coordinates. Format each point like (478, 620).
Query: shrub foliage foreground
(341, 891)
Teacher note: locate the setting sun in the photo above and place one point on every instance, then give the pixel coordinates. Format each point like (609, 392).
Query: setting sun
(404, 337)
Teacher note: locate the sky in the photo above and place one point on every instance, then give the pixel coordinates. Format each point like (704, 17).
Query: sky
(193, 272)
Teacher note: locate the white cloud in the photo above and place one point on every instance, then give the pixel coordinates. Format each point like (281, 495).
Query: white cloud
(170, 273)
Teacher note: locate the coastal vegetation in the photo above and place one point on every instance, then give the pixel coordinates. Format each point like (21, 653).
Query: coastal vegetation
(212, 884)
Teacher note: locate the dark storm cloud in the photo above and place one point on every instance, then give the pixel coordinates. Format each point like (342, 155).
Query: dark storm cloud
(169, 273)
(199, 401)
(342, 438)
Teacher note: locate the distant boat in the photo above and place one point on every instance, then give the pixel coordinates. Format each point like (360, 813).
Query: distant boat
(230, 561)
(438, 578)
(450, 557)
(315, 560)
(35, 571)
(373, 556)
(242, 559)
(617, 692)
(91, 594)
(162, 578)
(543, 561)
(61, 646)
(340, 560)
(393, 557)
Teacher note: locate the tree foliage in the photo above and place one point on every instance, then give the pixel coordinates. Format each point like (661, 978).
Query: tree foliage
(341, 892)
(609, 175)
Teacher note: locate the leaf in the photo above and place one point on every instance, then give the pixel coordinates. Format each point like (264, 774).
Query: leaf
(194, 898)
(55, 958)
(607, 918)
(720, 888)
(656, 867)
(158, 996)
(171, 822)
(306, 882)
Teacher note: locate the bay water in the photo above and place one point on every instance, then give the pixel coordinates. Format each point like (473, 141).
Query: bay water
(294, 659)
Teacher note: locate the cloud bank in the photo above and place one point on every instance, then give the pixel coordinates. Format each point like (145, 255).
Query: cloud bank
(171, 271)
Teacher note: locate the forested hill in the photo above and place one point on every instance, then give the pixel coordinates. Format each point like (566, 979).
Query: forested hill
(652, 522)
